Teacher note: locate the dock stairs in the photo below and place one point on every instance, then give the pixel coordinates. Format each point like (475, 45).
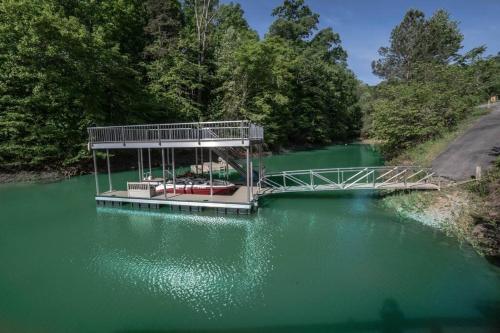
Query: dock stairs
(234, 157)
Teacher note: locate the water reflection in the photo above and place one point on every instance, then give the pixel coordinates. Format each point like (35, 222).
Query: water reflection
(210, 263)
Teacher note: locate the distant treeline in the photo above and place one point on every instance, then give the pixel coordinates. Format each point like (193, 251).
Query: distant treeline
(427, 87)
(69, 64)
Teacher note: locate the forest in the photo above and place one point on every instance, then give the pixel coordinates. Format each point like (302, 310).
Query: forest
(66, 65)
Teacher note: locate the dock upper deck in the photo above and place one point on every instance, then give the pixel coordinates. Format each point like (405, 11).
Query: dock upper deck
(178, 135)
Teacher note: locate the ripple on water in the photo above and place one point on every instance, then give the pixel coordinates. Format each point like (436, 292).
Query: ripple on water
(198, 278)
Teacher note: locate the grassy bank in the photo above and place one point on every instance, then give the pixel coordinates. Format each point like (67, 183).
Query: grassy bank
(469, 211)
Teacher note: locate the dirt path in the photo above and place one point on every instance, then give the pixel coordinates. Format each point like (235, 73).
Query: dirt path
(478, 146)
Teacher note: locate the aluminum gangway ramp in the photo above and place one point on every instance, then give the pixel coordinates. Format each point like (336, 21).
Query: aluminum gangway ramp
(359, 178)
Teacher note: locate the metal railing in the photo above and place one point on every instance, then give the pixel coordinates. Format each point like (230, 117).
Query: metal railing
(386, 177)
(201, 131)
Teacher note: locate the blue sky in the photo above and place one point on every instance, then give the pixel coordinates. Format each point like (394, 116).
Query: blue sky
(365, 25)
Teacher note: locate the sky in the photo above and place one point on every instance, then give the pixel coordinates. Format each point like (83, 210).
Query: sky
(365, 25)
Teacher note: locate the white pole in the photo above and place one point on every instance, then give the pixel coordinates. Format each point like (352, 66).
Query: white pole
(210, 170)
(139, 163)
(251, 172)
(163, 170)
(149, 160)
(260, 161)
(196, 159)
(248, 173)
(142, 167)
(95, 173)
(202, 166)
(173, 170)
(168, 157)
(109, 171)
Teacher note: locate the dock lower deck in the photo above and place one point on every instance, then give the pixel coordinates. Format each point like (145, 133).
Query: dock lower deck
(237, 202)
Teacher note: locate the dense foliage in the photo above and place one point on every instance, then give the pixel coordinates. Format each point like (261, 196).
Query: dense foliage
(428, 88)
(66, 65)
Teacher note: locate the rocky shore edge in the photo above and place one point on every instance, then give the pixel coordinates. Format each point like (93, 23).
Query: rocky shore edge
(468, 212)
(32, 177)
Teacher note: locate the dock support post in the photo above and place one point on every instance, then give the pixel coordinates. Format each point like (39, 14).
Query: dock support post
(109, 171)
(149, 160)
(139, 163)
(196, 159)
(95, 173)
(248, 173)
(141, 174)
(260, 161)
(202, 166)
(251, 172)
(210, 171)
(168, 159)
(163, 171)
(173, 170)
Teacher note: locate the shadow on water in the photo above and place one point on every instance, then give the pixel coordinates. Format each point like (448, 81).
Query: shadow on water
(267, 201)
(392, 320)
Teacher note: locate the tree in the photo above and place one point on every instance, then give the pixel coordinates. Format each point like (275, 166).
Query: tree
(173, 72)
(231, 89)
(58, 76)
(164, 24)
(417, 40)
(294, 21)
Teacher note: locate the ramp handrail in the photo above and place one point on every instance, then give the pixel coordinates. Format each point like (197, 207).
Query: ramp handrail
(383, 177)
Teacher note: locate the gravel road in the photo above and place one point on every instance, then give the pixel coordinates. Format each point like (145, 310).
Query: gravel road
(478, 146)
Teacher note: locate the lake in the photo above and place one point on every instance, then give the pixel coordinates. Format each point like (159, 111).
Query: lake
(309, 262)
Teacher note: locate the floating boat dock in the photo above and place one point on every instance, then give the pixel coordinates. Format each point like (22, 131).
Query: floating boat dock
(229, 140)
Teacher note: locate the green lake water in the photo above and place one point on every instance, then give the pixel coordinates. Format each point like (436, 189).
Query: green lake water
(311, 262)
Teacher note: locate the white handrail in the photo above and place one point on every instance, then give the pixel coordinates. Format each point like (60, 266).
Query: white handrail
(221, 130)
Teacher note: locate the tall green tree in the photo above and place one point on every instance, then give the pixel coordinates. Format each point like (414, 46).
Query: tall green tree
(231, 88)
(418, 40)
(172, 71)
(294, 21)
(323, 93)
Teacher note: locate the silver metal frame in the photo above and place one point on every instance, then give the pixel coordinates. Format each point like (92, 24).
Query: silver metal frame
(386, 177)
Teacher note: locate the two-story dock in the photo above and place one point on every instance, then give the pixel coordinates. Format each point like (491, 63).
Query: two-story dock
(239, 143)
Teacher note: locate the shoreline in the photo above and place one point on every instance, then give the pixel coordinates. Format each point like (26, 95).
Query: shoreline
(23, 177)
(457, 211)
